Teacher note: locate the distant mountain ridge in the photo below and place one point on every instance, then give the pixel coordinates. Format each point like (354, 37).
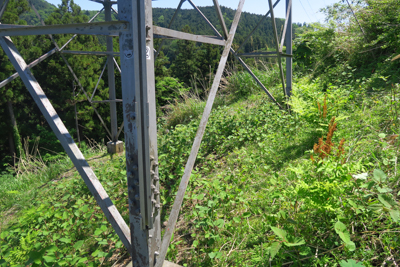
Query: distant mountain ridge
(43, 7)
(262, 39)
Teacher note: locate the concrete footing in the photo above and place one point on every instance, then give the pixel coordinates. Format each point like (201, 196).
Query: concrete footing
(166, 264)
(115, 147)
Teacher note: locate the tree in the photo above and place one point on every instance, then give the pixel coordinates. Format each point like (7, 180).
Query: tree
(186, 64)
(57, 80)
(11, 94)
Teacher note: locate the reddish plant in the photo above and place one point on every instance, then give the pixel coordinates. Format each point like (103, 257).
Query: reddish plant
(323, 148)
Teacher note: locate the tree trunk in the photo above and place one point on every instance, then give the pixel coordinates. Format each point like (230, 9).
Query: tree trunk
(17, 145)
(11, 144)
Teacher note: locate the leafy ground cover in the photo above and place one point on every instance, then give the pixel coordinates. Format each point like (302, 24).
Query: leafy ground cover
(59, 223)
(317, 187)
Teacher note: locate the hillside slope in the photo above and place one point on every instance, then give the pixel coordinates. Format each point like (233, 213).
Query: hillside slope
(265, 189)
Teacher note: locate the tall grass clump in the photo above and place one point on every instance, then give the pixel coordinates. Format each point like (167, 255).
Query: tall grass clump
(21, 183)
(189, 107)
(242, 84)
(18, 184)
(63, 225)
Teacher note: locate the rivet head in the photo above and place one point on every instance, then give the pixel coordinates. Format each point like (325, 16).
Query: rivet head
(156, 178)
(134, 167)
(137, 197)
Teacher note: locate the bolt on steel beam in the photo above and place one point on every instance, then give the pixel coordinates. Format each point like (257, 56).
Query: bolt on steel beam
(155, 232)
(136, 125)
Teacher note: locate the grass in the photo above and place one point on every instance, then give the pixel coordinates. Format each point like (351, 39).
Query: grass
(19, 185)
(255, 196)
(62, 224)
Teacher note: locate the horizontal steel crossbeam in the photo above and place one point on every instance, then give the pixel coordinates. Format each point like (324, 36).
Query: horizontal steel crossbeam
(91, 53)
(111, 28)
(164, 32)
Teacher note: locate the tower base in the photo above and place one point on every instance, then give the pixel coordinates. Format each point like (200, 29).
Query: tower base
(115, 147)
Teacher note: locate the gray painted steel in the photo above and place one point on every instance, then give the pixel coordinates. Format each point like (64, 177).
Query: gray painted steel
(108, 101)
(90, 21)
(187, 36)
(112, 28)
(169, 26)
(30, 65)
(257, 54)
(44, 56)
(271, 8)
(111, 77)
(221, 18)
(238, 58)
(91, 53)
(70, 69)
(67, 142)
(116, 65)
(288, 10)
(155, 232)
(136, 32)
(135, 105)
(289, 50)
(256, 79)
(197, 141)
(205, 18)
(255, 28)
(3, 6)
(98, 81)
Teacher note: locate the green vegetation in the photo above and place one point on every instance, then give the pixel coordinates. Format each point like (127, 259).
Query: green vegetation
(61, 224)
(257, 196)
(318, 186)
(176, 71)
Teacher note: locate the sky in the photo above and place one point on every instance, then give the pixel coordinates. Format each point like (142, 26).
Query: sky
(303, 10)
